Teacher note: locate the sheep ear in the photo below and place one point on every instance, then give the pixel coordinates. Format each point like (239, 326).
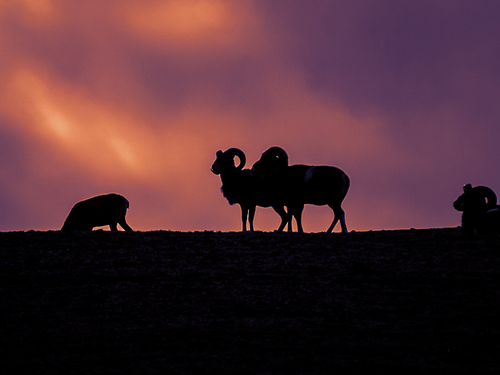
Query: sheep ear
(219, 153)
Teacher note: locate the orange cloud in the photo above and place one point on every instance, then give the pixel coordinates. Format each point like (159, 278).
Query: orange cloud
(70, 122)
(199, 24)
(178, 19)
(31, 12)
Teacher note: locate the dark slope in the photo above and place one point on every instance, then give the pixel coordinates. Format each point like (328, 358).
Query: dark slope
(263, 303)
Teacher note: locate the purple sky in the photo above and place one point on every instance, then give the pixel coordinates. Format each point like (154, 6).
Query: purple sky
(136, 97)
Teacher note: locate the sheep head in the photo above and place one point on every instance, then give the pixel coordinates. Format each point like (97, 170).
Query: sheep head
(224, 161)
(480, 198)
(273, 159)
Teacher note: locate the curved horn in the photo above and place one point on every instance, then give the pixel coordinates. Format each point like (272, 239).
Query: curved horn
(276, 157)
(488, 194)
(237, 152)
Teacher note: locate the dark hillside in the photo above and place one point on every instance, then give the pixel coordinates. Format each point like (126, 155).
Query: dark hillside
(259, 303)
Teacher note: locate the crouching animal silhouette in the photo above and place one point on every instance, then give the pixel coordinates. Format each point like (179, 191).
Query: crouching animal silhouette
(481, 214)
(98, 211)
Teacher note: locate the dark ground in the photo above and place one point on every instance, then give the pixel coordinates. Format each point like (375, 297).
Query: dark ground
(264, 303)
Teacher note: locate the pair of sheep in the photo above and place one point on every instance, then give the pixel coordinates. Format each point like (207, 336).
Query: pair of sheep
(273, 183)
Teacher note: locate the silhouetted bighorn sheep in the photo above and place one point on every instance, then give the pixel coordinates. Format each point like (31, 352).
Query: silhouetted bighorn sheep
(304, 184)
(481, 214)
(239, 186)
(98, 211)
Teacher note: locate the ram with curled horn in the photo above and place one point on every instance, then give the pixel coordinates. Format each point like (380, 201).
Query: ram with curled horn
(240, 187)
(101, 210)
(303, 184)
(481, 214)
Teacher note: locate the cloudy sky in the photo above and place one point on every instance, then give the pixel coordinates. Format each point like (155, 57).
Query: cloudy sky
(136, 96)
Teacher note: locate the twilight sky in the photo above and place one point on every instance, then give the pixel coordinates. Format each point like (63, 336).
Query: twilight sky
(136, 96)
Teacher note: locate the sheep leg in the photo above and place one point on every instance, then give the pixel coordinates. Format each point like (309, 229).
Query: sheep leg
(297, 213)
(289, 219)
(251, 215)
(113, 226)
(342, 221)
(284, 216)
(335, 220)
(339, 214)
(125, 226)
(298, 219)
(244, 214)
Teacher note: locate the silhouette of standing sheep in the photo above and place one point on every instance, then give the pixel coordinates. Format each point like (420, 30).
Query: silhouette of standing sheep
(303, 184)
(239, 186)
